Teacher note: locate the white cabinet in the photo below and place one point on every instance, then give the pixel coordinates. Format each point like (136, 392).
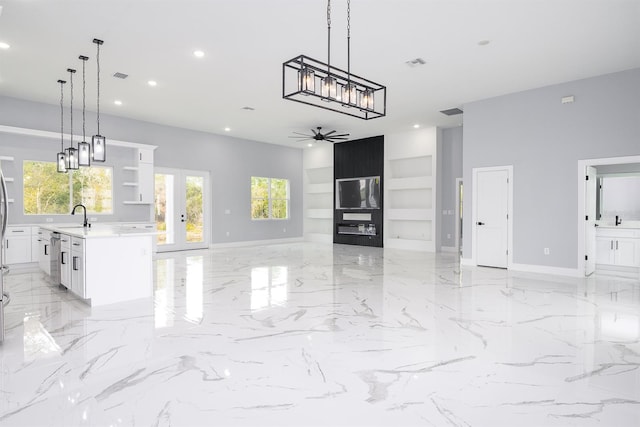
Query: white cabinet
(146, 185)
(142, 178)
(35, 245)
(78, 267)
(17, 245)
(44, 251)
(65, 260)
(618, 247)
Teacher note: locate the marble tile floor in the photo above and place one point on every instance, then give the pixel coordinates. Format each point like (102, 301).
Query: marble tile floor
(311, 334)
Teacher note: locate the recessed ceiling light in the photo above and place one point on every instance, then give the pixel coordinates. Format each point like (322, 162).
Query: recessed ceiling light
(227, 129)
(484, 42)
(117, 102)
(198, 53)
(152, 83)
(4, 45)
(416, 126)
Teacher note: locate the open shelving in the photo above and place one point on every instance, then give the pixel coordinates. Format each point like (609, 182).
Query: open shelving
(410, 190)
(318, 193)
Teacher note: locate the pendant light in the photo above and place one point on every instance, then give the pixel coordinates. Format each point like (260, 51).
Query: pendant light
(84, 148)
(61, 157)
(323, 85)
(71, 152)
(98, 142)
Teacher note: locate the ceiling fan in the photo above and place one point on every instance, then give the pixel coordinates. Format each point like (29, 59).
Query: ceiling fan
(330, 136)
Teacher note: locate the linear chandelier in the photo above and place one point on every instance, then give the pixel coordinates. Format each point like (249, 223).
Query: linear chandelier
(72, 158)
(312, 82)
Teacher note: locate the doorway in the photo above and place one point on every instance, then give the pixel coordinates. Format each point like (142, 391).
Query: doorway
(182, 209)
(587, 246)
(492, 219)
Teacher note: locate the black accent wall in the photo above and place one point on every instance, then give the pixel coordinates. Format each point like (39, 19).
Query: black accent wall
(354, 159)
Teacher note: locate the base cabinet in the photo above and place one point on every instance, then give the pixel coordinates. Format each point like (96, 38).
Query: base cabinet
(78, 267)
(17, 245)
(44, 251)
(618, 248)
(65, 261)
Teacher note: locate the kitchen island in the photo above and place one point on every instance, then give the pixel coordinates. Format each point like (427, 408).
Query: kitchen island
(104, 264)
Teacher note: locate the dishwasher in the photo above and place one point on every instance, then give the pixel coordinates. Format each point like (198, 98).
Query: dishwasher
(55, 258)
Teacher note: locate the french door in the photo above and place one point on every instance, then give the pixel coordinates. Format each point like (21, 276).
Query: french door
(182, 210)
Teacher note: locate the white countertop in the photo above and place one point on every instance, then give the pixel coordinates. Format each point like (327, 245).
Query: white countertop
(98, 230)
(623, 226)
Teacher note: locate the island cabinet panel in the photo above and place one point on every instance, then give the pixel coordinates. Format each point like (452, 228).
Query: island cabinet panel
(118, 269)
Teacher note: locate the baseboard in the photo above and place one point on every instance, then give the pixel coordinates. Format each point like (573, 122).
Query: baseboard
(256, 243)
(545, 269)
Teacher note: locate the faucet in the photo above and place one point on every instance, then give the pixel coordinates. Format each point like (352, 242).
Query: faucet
(73, 212)
(618, 221)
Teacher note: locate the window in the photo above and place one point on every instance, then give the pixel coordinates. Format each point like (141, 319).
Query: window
(269, 198)
(47, 192)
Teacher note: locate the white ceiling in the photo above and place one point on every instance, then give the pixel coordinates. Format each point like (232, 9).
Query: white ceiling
(533, 43)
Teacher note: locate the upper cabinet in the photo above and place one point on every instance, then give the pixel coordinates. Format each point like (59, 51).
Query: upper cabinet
(141, 177)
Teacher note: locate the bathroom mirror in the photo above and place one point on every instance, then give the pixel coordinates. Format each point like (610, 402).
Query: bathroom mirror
(619, 195)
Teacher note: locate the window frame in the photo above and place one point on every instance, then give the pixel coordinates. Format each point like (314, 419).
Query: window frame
(70, 191)
(270, 199)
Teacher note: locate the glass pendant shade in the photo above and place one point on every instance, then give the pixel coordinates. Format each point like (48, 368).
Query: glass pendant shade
(306, 80)
(349, 94)
(62, 163)
(329, 87)
(71, 158)
(84, 154)
(366, 100)
(99, 148)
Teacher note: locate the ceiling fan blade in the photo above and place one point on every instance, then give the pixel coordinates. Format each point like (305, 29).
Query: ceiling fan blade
(329, 133)
(314, 132)
(341, 135)
(303, 134)
(337, 139)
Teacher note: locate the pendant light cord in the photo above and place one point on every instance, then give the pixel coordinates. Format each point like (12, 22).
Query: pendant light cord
(62, 82)
(329, 36)
(84, 99)
(71, 107)
(98, 97)
(349, 41)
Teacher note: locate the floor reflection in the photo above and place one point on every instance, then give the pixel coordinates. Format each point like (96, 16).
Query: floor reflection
(37, 340)
(268, 287)
(195, 289)
(164, 292)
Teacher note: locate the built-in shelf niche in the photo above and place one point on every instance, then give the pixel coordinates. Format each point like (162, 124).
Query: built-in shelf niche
(410, 190)
(318, 193)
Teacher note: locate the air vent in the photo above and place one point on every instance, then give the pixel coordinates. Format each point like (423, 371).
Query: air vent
(416, 62)
(452, 111)
(121, 76)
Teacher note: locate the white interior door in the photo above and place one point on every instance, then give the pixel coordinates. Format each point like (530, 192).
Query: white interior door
(491, 217)
(182, 209)
(591, 188)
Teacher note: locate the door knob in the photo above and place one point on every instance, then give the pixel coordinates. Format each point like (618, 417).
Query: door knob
(479, 223)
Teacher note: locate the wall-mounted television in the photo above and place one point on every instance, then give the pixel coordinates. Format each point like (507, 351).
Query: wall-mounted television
(358, 193)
